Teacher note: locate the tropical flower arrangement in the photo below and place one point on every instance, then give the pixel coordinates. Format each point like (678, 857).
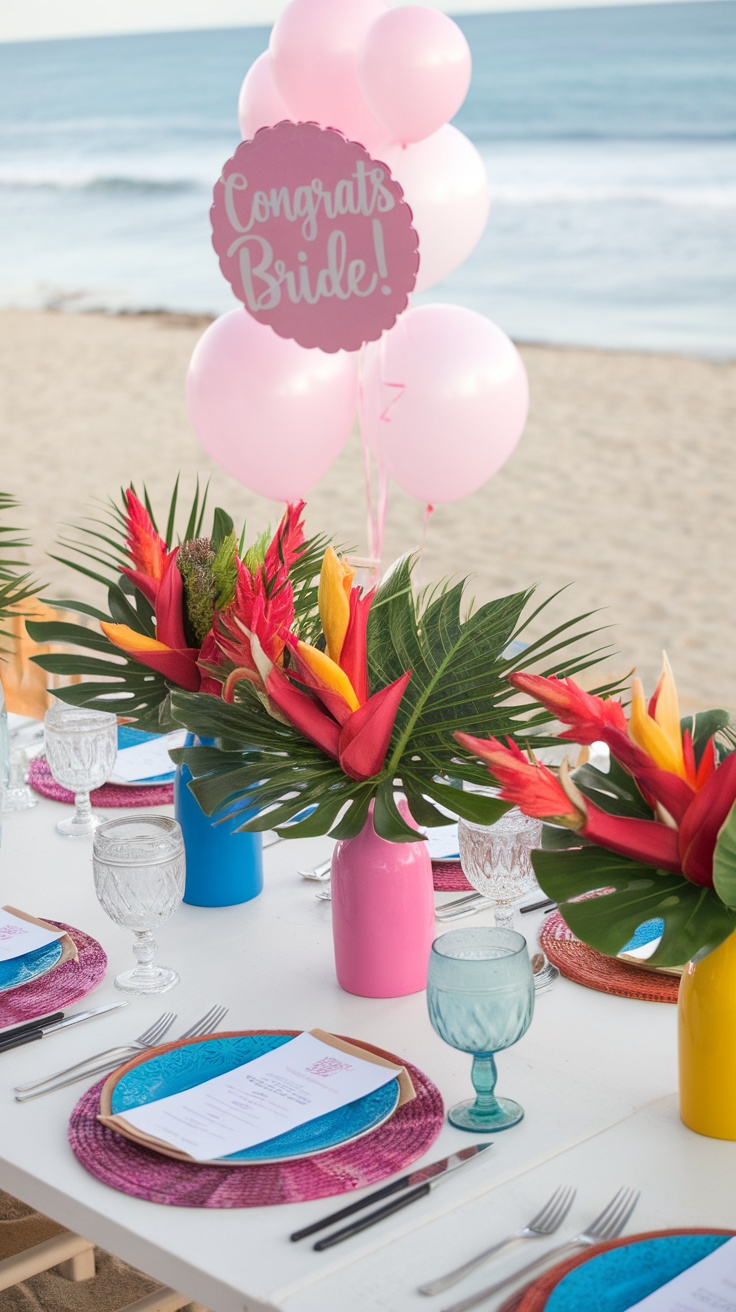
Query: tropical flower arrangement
(366, 706)
(165, 596)
(321, 697)
(655, 837)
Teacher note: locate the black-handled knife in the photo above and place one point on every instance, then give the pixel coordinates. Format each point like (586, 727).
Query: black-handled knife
(38, 1023)
(40, 1031)
(547, 903)
(363, 1222)
(424, 1175)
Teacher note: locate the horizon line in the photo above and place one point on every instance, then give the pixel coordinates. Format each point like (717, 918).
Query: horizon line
(269, 9)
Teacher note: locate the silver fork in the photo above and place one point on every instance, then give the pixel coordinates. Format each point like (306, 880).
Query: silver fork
(608, 1225)
(84, 1070)
(462, 906)
(153, 1034)
(320, 872)
(546, 1221)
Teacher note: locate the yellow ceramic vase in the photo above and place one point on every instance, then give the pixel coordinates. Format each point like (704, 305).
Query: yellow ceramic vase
(706, 1007)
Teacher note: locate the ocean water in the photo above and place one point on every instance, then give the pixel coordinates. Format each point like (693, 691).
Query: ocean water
(609, 137)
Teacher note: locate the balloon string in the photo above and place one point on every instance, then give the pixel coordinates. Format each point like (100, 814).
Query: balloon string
(381, 509)
(370, 522)
(428, 510)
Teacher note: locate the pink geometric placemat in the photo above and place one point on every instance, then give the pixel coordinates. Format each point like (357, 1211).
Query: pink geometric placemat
(62, 985)
(585, 966)
(41, 779)
(142, 1173)
(448, 877)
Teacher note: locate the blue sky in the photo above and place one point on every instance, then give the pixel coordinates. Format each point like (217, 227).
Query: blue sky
(35, 19)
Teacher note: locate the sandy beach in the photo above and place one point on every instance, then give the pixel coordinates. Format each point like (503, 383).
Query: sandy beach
(622, 485)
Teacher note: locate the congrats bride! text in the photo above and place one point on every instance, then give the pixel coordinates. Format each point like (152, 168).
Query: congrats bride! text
(314, 236)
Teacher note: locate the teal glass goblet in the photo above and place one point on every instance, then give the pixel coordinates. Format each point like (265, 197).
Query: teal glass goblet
(480, 994)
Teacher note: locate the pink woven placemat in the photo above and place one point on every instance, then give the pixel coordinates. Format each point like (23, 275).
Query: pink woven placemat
(41, 779)
(583, 964)
(448, 877)
(62, 985)
(142, 1173)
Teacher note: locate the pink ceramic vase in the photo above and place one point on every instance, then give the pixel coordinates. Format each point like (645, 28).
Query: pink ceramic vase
(382, 913)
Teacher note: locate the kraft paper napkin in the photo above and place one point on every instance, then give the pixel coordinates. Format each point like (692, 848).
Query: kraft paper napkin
(68, 946)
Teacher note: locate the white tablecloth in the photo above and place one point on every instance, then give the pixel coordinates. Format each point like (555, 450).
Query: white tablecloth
(596, 1075)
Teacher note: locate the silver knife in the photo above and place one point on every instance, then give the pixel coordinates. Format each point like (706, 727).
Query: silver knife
(42, 1030)
(419, 1181)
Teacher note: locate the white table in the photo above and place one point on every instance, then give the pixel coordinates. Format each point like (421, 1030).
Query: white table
(596, 1075)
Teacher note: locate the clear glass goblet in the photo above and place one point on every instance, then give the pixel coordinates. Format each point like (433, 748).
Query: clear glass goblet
(81, 746)
(480, 996)
(496, 860)
(18, 796)
(139, 868)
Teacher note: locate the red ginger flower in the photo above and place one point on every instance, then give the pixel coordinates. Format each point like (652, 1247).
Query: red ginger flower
(263, 605)
(147, 550)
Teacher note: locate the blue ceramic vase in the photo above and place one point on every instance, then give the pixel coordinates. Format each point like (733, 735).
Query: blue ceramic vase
(223, 868)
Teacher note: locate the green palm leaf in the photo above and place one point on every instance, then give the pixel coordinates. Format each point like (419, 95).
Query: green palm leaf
(16, 581)
(458, 664)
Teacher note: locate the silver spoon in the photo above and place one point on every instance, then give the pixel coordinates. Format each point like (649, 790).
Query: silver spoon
(543, 971)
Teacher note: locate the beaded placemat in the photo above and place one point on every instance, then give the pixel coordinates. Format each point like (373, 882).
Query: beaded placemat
(142, 1173)
(61, 986)
(448, 877)
(585, 966)
(533, 1297)
(42, 781)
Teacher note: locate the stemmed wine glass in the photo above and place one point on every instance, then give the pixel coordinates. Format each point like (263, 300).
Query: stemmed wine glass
(480, 995)
(496, 860)
(139, 869)
(81, 746)
(17, 795)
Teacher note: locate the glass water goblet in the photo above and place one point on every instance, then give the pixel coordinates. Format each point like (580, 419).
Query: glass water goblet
(81, 746)
(496, 860)
(17, 795)
(139, 869)
(480, 996)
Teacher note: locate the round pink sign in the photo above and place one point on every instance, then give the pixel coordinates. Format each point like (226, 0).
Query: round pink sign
(314, 236)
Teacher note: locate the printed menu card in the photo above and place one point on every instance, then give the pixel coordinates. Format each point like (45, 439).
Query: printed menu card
(148, 759)
(305, 1078)
(708, 1286)
(19, 935)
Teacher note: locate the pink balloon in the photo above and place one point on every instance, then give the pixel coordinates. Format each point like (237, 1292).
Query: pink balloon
(314, 46)
(445, 184)
(269, 411)
(414, 69)
(259, 103)
(445, 400)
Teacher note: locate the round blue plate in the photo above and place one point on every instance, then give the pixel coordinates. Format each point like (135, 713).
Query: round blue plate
(183, 1068)
(21, 970)
(614, 1281)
